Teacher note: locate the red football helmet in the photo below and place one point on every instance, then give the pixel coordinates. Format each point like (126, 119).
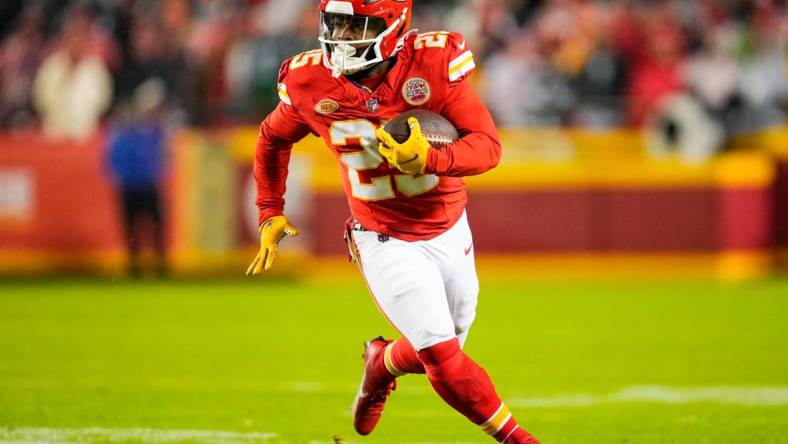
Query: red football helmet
(357, 34)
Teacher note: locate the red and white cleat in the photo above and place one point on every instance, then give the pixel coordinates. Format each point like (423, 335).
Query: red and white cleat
(376, 386)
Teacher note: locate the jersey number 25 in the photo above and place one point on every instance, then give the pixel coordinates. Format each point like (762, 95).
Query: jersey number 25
(381, 187)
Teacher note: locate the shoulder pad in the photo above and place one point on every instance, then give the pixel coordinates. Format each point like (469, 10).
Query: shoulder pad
(291, 72)
(461, 62)
(457, 57)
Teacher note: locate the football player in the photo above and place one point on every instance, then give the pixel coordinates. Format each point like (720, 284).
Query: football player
(408, 232)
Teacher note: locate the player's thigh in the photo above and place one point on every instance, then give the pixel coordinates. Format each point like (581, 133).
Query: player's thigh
(462, 294)
(408, 288)
(458, 268)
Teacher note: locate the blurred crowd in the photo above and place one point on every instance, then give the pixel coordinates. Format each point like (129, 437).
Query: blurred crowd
(618, 62)
(65, 66)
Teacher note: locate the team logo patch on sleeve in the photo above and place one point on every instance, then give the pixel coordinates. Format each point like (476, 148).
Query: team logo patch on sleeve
(416, 91)
(326, 107)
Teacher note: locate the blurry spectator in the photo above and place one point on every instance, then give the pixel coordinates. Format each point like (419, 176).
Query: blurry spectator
(214, 26)
(486, 24)
(20, 55)
(525, 10)
(73, 88)
(598, 88)
(150, 57)
(175, 18)
(575, 34)
(762, 83)
(568, 31)
(254, 58)
(508, 76)
(711, 73)
(591, 63)
(656, 75)
(137, 157)
(522, 89)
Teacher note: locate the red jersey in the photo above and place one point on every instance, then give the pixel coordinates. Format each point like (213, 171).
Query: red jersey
(429, 72)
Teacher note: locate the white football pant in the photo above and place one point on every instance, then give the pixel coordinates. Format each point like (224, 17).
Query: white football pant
(426, 289)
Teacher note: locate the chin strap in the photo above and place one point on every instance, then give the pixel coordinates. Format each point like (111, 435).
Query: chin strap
(346, 51)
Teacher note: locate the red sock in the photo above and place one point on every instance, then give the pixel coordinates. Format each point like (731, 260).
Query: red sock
(399, 358)
(467, 387)
(517, 436)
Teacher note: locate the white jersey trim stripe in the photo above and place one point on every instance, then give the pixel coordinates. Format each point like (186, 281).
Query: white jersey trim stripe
(459, 59)
(283, 96)
(465, 69)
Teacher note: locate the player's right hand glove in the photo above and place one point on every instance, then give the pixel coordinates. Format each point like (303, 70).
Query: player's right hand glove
(409, 156)
(272, 231)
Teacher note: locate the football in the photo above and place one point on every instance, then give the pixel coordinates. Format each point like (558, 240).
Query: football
(438, 131)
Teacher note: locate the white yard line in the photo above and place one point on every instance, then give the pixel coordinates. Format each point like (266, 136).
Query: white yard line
(92, 435)
(748, 396)
(752, 396)
(38, 435)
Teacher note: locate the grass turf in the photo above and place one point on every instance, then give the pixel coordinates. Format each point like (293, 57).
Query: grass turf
(285, 358)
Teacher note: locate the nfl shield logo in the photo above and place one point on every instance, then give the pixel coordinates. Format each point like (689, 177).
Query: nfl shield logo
(372, 105)
(416, 91)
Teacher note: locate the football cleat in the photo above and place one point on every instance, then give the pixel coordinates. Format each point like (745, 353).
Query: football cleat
(376, 386)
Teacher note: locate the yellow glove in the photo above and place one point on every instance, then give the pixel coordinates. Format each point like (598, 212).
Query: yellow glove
(272, 231)
(409, 156)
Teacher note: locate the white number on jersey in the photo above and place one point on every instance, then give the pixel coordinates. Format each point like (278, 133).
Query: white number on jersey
(431, 40)
(369, 158)
(313, 58)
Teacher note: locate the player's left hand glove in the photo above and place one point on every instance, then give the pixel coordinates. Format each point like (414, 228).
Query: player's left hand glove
(409, 156)
(272, 231)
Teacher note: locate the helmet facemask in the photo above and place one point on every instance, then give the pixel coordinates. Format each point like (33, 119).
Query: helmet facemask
(352, 43)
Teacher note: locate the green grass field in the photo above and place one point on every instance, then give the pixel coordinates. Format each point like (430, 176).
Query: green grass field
(258, 362)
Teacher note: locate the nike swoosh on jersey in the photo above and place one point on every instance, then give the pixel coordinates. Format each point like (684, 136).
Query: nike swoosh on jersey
(468, 250)
(461, 45)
